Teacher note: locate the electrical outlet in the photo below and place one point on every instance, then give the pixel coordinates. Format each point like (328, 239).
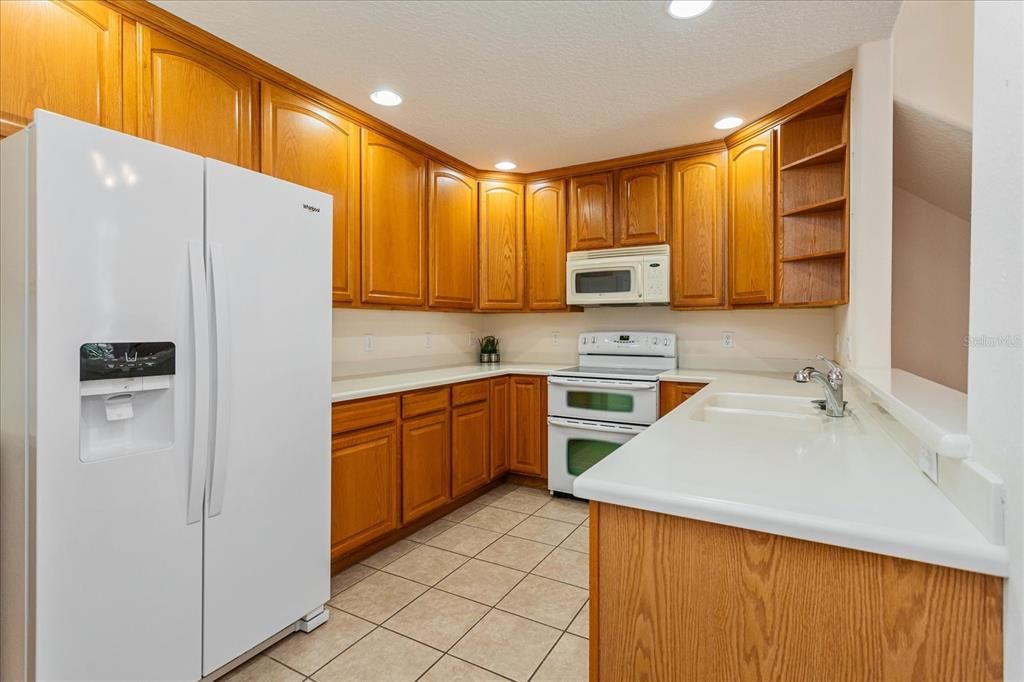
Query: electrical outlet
(554, 338)
(428, 341)
(928, 462)
(368, 343)
(728, 340)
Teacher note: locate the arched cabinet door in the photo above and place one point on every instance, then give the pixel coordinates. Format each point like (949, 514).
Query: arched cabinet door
(501, 246)
(545, 245)
(187, 99)
(641, 204)
(697, 231)
(752, 221)
(394, 235)
(591, 219)
(311, 145)
(64, 57)
(452, 235)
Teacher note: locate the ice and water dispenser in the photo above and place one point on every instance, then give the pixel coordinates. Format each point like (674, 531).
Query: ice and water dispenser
(127, 398)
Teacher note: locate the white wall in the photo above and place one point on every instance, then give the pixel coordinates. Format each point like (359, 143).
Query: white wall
(767, 340)
(864, 326)
(932, 56)
(775, 340)
(995, 400)
(399, 340)
(931, 256)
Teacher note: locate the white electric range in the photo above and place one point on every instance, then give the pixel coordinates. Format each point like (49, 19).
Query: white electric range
(610, 397)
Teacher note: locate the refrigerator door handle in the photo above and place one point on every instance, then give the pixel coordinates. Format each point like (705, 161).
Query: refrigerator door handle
(218, 479)
(201, 397)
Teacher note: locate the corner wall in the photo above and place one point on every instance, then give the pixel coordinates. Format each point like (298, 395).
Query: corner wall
(864, 325)
(931, 252)
(995, 399)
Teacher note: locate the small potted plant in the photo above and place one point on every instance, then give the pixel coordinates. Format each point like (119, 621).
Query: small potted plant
(489, 350)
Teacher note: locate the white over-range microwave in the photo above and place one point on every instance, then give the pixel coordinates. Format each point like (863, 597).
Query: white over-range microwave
(634, 275)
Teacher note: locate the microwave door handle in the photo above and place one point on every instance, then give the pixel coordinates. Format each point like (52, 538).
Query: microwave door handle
(609, 385)
(591, 426)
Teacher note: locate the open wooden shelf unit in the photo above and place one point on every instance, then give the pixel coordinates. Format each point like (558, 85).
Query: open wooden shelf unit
(812, 240)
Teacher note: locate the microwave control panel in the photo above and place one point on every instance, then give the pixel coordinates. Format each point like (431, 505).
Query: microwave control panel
(655, 280)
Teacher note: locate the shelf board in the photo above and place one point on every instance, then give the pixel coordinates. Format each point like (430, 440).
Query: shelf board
(821, 255)
(817, 207)
(830, 155)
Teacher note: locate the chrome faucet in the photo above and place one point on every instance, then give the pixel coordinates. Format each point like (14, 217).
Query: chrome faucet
(831, 382)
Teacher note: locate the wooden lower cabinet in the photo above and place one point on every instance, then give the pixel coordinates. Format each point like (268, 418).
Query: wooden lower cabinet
(364, 486)
(679, 599)
(500, 388)
(528, 410)
(470, 447)
(672, 393)
(425, 463)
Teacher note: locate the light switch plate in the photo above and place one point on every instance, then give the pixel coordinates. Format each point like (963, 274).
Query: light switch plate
(368, 343)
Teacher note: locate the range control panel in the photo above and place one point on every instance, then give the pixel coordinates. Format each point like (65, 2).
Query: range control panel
(627, 343)
(125, 360)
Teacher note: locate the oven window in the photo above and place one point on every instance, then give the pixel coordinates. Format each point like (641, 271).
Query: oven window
(606, 402)
(604, 282)
(584, 453)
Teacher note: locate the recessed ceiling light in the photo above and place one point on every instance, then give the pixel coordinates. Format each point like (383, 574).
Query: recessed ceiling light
(386, 98)
(687, 9)
(728, 123)
(505, 165)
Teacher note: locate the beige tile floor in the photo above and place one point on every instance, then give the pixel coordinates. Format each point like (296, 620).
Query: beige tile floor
(498, 589)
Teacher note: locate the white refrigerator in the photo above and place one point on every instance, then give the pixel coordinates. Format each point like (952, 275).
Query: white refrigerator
(165, 421)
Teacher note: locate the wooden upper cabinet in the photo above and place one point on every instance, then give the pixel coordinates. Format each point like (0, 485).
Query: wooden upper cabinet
(470, 441)
(499, 404)
(425, 465)
(452, 238)
(394, 235)
(501, 245)
(364, 487)
(697, 232)
(545, 245)
(752, 221)
(187, 99)
(642, 206)
(313, 146)
(591, 219)
(528, 433)
(64, 57)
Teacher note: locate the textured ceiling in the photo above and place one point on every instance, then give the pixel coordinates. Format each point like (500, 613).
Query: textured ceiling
(552, 83)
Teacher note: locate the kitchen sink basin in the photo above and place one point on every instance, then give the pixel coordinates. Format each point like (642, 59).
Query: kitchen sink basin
(777, 412)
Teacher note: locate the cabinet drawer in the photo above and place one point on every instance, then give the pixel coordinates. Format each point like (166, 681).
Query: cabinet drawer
(359, 414)
(424, 402)
(470, 392)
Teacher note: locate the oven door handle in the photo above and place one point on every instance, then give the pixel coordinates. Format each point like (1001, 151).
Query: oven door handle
(610, 385)
(592, 426)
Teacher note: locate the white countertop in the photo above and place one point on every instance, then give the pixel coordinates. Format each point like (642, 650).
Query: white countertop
(395, 382)
(850, 485)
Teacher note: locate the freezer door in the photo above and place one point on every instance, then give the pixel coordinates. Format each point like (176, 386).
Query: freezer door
(118, 567)
(267, 557)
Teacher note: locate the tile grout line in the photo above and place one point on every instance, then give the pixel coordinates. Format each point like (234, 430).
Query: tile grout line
(551, 548)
